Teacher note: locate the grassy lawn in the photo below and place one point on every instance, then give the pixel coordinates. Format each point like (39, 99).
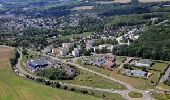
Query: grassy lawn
(93, 80)
(13, 87)
(163, 86)
(160, 66)
(161, 96)
(107, 96)
(136, 82)
(135, 94)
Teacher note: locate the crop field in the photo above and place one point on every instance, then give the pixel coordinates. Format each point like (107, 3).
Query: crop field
(13, 87)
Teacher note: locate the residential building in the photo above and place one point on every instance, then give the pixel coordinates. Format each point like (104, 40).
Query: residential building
(68, 45)
(90, 44)
(138, 73)
(47, 50)
(64, 52)
(142, 63)
(76, 52)
(37, 64)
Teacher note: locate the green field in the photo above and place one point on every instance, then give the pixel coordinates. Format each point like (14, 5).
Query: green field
(161, 96)
(89, 79)
(134, 94)
(13, 87)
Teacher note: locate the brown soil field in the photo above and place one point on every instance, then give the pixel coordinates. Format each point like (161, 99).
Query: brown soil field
(5, 55)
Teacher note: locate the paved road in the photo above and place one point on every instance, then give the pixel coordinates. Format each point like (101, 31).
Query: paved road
(124, 93)
(164, 77)
(102, 75)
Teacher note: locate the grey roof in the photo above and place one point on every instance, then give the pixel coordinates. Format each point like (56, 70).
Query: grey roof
(136, 72)
(145, 61)
(37, 62)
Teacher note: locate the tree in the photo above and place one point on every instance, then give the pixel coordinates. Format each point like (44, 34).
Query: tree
(65, 87)
(24, 52)
(144, 69)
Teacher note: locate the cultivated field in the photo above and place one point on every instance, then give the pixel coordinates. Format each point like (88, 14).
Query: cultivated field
(13, 87)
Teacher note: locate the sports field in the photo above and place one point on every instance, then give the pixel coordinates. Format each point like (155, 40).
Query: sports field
(13, 87)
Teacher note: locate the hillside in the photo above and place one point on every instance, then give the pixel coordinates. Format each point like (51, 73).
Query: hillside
(153, 44)
(13, 87)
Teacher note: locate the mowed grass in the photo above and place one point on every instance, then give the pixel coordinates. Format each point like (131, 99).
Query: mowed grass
(134, 94)
(13, 87)
(161, 96)
(89, 79)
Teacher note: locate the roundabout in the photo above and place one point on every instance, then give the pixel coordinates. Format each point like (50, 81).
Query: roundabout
(135, 94)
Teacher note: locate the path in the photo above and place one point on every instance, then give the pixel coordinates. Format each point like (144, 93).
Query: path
(164, 77)
(123, 93)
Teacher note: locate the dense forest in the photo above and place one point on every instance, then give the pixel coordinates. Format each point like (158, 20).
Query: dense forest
(153, 44)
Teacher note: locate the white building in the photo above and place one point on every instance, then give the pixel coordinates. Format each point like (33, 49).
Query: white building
(102, 46)
(63, 52)
(90, 44)
(47, 50)
(68, 45)
(143, 63)
(76, 53)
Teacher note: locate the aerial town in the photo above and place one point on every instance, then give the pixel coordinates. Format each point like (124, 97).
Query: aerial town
(84, 50)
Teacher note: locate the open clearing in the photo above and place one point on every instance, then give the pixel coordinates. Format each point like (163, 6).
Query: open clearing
(13, 87)
(83, 8)
(161, 96)
(93, 80)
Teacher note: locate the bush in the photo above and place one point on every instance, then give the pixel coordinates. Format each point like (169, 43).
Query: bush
(72, 89)
(65, 87)
(54, 74)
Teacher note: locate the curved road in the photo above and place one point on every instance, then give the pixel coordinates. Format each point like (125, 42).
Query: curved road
(124, 93)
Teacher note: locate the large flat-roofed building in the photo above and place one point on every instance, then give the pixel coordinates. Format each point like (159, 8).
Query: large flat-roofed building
(143, 63)
(138, 73)
(37, 64)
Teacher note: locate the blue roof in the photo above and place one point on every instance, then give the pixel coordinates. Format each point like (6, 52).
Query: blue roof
(37, 63)
(139, 72)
